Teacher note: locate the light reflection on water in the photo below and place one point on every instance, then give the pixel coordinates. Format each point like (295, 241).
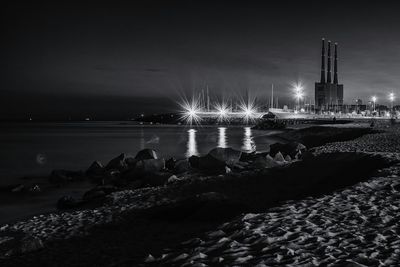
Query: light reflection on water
(192, 144)
(247, 142)
(222, 138)
(43, 147)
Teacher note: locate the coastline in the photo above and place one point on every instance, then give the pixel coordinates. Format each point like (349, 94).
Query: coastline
(146, 201)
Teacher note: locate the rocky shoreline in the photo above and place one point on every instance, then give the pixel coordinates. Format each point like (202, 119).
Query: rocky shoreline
(155, 188)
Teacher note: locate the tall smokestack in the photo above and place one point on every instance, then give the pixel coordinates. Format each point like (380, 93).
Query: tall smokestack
(323, 61)
(335, 78)
(329, 79)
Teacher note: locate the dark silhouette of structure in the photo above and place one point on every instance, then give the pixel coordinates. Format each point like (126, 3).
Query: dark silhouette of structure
(328, 95)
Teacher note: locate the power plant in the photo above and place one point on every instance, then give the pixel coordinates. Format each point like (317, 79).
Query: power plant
(328, 95)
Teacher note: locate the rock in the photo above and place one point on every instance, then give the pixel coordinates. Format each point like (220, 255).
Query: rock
(170, 163)
(117, 163)
(150, 165)
(240, 165)
(95, 169)
(181, 166)
(130, 175)
(63, 176)
(111, 176)
(288, 158)
(259, 163)
(194, 161)
(67, 202)
(130, 162)
(227, 155)
(264, 162)
(156, 178)
(270, 162)
(279, 157)
(227, 170)
(173, 179)
(146, 154)
(211, 164)
(248, 156)
(290, 149)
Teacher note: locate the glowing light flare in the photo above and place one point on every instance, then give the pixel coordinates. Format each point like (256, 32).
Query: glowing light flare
(248, 111)
(374, 98)
(190, 111)
(223, 111)
(298, 90)
(391, 97)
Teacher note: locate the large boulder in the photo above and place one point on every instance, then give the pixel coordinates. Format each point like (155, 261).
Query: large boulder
(210, 164)
(279, 157)
(228, 155)
(96, 169)
(130, 162)
(63, 176)
(170, 163)
(117, 163)
(290, 149)
(181, 166)
(270, 162)
(146, 154)
(248, 156)
(259, 163)
(131, 175)
(194, 161)
(150, 165)
(262, 162)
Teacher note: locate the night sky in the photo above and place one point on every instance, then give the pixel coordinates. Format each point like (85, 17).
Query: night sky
(112, 61)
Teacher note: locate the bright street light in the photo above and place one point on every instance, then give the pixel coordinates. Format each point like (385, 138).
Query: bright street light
(298, 93)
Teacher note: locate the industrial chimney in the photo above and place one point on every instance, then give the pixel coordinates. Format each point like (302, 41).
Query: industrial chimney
(329, 79)
(323, 61)
(335, 78)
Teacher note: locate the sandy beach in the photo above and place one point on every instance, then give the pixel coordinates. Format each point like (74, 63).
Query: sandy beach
(248, 216)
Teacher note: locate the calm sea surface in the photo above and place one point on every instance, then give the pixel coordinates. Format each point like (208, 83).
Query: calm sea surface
(38, 148)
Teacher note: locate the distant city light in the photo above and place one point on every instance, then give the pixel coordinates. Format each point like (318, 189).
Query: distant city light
(248, 111)
(223, 111)
(190, 113)
(298, 92)
(391, 96)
